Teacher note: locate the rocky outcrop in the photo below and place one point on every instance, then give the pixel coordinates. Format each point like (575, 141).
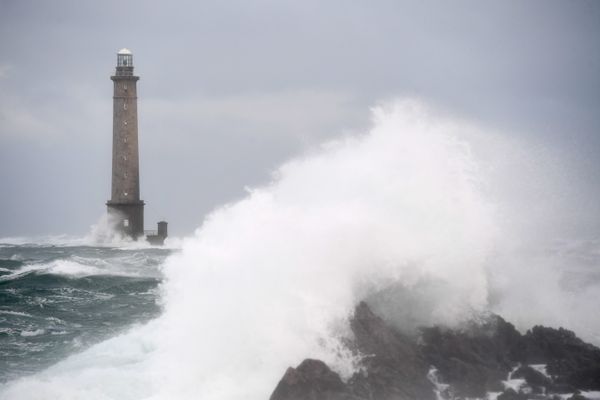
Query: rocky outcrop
(481, 358)
(394, 368)
(475, 359)
(538, 382)
(569, 359)
(312, 380)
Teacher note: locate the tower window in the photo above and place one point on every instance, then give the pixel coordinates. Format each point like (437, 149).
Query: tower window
(124, 106)
(125, 222)
(124, 58)
(125, 193)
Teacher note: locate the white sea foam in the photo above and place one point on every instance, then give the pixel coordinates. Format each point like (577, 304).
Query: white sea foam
(66, 268)
(35, 332)
(439, 387)
(18, 313)
(75, 269)
(8, 331)
(19, 273)
(103, 233)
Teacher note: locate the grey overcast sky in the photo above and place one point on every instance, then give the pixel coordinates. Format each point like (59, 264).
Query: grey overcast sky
(230, 89)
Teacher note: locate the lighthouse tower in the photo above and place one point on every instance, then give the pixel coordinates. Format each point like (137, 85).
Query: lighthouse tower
(125, 206)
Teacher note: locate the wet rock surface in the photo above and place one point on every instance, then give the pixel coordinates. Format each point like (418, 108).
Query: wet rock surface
(488, 358)
(312, 380)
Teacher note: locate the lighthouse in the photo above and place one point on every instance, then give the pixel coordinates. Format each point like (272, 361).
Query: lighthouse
(125, 206)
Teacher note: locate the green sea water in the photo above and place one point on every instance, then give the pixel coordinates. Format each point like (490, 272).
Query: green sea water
(56, 300)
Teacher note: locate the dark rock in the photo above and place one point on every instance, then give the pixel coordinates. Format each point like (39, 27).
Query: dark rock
(473, 361)
(510, 394)
(311, 380)
(534, 378)
(568, 358)
(561, 388)
(577, 396)
(395, 366)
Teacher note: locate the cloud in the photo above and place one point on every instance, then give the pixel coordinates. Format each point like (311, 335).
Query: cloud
(4, 70)
(298, 115)
(77, 111)
(21, 121)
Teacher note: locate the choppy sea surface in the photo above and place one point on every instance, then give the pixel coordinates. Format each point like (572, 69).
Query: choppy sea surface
(57, 300)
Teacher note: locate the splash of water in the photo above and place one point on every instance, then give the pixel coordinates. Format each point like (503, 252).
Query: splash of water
(104, 233)
(271, 279)
(101, 234)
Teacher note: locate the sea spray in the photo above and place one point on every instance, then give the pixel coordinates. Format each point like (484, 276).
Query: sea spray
(271, 279)
(104, 233)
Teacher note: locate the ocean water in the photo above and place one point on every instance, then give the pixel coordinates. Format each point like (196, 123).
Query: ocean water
(406, 215)
(56, 299)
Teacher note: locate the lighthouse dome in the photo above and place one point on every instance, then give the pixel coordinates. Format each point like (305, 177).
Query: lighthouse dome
(124, 58)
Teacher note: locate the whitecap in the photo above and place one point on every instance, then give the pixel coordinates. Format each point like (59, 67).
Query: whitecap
(541, 368)
(19, 313)
(36, 332)
(66, 268)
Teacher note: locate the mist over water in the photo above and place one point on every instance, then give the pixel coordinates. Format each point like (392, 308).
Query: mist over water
(401, 215)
